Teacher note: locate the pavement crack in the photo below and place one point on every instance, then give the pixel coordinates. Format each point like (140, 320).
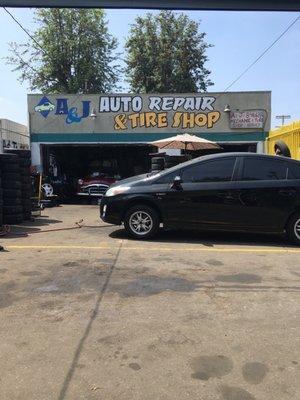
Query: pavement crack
(88, 328)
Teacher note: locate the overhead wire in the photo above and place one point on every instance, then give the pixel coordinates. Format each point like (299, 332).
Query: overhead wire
(262, 54)
(23, 29)
(224, 91)
(24, 62)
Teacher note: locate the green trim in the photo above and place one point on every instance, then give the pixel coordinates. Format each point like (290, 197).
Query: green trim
(140, 137)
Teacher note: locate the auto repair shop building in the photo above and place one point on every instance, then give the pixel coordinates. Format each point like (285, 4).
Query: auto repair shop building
(78, 133)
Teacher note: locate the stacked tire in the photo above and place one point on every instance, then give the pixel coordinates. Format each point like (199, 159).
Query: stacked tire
(25, 162)
(1, 199)
(11, 189)
(25, 179)
(157, 164)
(171, 161)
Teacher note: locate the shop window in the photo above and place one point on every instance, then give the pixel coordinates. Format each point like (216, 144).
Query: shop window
(212, 171)
(258, 169)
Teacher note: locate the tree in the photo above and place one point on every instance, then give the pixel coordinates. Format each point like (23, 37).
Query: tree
(71, 51)
(166, 53)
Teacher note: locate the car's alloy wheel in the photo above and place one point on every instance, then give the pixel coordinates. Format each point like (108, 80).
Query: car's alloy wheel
(297, 229)
(293, 228)
(141, 222)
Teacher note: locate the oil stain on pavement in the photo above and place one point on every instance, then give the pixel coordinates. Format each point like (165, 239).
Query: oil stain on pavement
(214, 262)
(134, 366)
(240, 278)
(235, 393)
(206, 367)
(151, 285)
(254, 372)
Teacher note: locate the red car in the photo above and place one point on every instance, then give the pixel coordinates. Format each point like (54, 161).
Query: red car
(95, 184)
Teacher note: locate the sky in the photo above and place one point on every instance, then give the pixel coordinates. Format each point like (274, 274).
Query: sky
(238, 39)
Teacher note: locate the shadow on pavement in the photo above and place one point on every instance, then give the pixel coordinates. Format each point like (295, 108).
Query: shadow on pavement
(210, 239)
(28, 227)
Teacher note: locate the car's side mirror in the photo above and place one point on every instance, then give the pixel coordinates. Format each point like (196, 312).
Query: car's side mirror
(177, 183)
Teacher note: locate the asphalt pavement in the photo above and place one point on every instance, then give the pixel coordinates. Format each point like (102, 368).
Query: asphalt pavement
(87, 313)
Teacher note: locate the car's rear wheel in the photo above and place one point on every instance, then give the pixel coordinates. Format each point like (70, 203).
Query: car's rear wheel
(141, 222)
(293, 229)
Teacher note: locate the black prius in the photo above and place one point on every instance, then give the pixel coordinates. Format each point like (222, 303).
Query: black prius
(228, 192)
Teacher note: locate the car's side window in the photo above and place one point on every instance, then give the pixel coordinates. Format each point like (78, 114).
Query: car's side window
(259, 169)
(210, 171)
(168, 178)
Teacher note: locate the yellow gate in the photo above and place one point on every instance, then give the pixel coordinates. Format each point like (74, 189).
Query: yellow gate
(290, 134)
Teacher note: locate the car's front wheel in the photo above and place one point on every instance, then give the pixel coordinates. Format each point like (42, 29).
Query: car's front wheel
(141, 222)
(293, 229)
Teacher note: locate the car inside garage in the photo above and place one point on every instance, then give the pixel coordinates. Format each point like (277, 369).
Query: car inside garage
(66, 165)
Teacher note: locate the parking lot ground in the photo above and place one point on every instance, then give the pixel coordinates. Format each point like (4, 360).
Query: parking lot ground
(87, 313)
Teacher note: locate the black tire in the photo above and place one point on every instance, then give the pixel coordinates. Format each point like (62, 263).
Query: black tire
(26, 179)
(12, 210)
(8, 158)
(284, 148)
(158, 162)
(8, 201)
(25, 163)
(11, 193)
(11, 185)
(19, 152)
(11, 167)
(149, 214)
(157, 159)
(26, 187)
(27, 217)
(12, 219)
(11, 176)
(293, 229)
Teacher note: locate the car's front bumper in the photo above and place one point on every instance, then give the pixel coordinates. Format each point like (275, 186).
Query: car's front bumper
(89, 194)
(111, 210)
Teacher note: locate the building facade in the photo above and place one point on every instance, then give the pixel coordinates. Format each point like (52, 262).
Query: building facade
(13, 135)
(115, 123)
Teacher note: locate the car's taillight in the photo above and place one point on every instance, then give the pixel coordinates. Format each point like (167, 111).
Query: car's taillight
(80, 181)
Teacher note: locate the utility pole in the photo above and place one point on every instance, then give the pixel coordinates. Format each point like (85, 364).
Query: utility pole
(283, 118)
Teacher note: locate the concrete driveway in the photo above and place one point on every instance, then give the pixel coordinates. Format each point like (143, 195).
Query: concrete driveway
(88, 314)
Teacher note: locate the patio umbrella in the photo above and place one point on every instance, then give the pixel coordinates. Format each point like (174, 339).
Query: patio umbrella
(185, 142)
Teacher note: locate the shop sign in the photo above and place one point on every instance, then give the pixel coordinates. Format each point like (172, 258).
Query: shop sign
(134, 112)
(247, 119)
(143, 113)
(161, 112)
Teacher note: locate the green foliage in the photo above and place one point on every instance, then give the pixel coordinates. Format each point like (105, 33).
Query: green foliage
(166, 53)
(72, 53)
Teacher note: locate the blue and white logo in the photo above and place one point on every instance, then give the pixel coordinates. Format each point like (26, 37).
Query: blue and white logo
(44, 107)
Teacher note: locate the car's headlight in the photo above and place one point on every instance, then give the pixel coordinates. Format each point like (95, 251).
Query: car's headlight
(116, 190)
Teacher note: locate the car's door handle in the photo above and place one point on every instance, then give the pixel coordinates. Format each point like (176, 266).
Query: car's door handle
(287, 192)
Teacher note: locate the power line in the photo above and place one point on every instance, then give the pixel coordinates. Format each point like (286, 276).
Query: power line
(24, 29)
(262, 54)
